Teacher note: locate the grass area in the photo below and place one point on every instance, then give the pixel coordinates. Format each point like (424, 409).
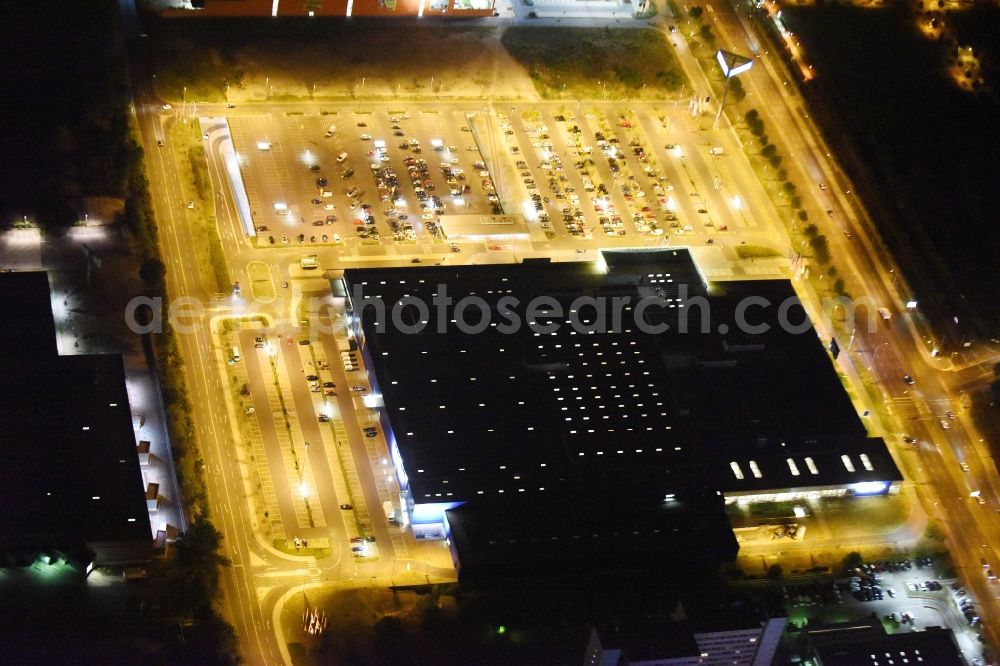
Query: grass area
(256, 59)
(288, 546)
(596, 63)
(261, 283)
(756, 252)
(186, 141)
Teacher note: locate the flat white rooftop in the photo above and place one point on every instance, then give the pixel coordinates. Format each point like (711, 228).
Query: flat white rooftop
(484, 227)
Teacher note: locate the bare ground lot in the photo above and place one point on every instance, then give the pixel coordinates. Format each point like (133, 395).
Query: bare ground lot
(257, 60)
(596, 63)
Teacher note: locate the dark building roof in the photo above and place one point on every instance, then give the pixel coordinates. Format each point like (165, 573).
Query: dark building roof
(70, 474)
(477, 414)
(649, 641)
(603, 531)
(867, 644)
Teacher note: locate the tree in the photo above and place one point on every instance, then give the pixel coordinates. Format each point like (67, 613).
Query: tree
(820, 248)
(852, 560)
(788, 187)
(769, 150)
(775, 161)
(838, 287)
(196, 561)
(994, 393)
(696, 12)
(151, 272)
(756, 125)
(390, 637)
(774, 571)
(736, 89)
(796, 201)
(803, 215)
(811, 231)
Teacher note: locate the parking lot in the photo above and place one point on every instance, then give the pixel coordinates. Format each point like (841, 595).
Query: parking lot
(362, 177)
(907, 595)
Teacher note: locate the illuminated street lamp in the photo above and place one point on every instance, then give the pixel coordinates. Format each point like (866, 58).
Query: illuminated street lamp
(732, 65)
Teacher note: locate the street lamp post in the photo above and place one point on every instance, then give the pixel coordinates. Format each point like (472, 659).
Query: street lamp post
(732, 65)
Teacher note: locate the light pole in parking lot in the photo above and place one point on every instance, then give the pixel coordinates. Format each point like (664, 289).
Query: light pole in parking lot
(732, 65)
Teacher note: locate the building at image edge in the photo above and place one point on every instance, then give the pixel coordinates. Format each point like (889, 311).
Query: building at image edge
(70, 482)
(573, 448)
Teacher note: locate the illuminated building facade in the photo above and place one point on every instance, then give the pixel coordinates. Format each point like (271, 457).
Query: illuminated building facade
(335, 8)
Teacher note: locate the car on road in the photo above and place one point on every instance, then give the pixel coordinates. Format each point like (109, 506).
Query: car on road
(312, 378)
(359, 388)
(303, 341)
(323, 418)
(909, 439)
(964, 465)
(160, 143)
(366, 137)
(908, 380)
(329, 385)
(166, 107)
(346, 507)
(249, 410)
(944, 424)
